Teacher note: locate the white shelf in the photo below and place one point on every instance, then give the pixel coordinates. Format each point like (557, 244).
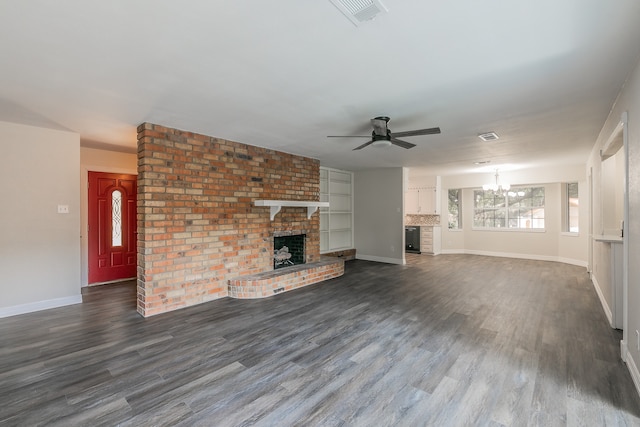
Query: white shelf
(608, 238)
(276, 205)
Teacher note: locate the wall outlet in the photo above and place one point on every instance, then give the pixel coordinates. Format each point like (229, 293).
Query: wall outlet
(393, 248)
(63, 209)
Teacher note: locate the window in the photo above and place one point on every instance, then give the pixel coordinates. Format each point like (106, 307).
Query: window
(520, 208)
(455, 212)
(116, 218)
(570, 208)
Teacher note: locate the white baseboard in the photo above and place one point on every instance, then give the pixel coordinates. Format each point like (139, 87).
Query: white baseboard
(603, 301)
(512, 255)
(633, 369)
(571, 261)
(39, 305)
(387, 260)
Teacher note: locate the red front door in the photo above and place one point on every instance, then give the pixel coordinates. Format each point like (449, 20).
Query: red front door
(112, 226)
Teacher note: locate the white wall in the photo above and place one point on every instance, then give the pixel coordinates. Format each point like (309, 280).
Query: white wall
(551, 245)
(379, 215)
(628, 101)
(96, 160)
(415, 181)
(39, 248)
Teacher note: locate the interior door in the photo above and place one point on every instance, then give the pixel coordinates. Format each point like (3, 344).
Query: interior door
(112, 227)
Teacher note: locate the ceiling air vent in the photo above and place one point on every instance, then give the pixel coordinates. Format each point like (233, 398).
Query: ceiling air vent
(489, 136)
(358, 11)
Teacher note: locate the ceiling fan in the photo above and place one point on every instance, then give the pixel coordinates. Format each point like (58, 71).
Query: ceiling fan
(382, 135)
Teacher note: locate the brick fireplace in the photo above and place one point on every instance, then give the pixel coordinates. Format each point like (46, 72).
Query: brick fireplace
(197, 225)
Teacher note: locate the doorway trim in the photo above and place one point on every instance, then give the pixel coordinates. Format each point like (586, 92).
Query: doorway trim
(625, 240)
(619, 135)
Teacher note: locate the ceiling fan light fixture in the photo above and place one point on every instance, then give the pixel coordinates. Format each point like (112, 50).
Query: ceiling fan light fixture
(488, 136)
(381, 136)
(381, 143)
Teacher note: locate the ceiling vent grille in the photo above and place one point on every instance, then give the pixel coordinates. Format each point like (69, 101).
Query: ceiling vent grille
(358, 11)
(489, 136)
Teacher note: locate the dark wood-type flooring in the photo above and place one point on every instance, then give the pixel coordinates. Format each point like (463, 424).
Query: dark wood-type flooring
(452, 340)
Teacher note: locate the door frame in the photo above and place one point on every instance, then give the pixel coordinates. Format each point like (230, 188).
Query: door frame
(625, 240)
(84, 212)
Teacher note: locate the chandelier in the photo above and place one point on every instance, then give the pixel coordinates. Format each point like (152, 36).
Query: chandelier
(497, 186)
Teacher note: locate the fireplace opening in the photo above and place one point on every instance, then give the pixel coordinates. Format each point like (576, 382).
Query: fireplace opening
(288, 250)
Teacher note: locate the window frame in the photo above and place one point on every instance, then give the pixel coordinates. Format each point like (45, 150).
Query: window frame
(532, 192)
(458, 204)
(117, 231)
(567, 209)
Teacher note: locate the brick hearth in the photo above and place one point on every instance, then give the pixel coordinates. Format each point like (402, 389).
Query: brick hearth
(273, 282)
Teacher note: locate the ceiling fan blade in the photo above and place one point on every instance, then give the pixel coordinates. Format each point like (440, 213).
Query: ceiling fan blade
(348, 136)
(430, 131)
(363, 145)
(403, 144)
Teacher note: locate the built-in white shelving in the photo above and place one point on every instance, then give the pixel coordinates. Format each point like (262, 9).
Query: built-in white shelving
(336, 221)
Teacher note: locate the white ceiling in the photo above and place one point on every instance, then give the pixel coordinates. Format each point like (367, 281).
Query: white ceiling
(543, 74)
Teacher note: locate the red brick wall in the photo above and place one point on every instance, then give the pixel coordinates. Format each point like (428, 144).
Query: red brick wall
(197, 226)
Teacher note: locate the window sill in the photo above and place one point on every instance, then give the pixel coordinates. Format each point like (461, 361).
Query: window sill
(512, 230)
(569, 234)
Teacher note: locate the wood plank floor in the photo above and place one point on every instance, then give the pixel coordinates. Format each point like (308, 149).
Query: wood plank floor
(453, 340)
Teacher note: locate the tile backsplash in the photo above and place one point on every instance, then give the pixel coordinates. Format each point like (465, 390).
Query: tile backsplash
(422, 220)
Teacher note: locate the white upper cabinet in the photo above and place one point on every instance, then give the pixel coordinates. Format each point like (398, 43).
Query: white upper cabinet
(411, 202)
(423, 196)
(421, 201)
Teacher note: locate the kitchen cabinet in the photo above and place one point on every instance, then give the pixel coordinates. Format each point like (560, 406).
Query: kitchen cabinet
(421, 201)
(430, 240)
(411, 204)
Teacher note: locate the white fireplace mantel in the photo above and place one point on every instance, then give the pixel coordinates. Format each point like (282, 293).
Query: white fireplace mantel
(276, 205)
